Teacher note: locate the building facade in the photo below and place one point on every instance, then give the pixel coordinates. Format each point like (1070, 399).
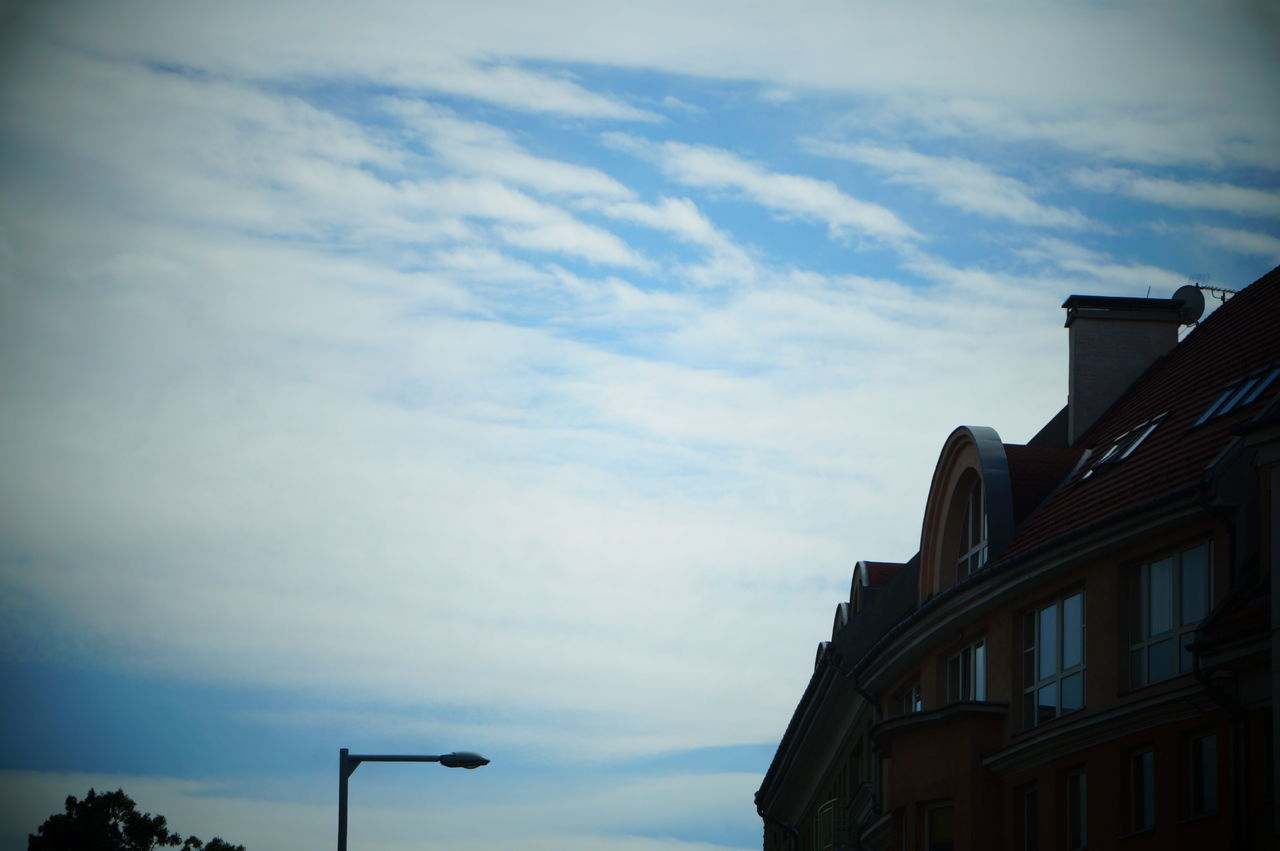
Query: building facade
(1081, 653)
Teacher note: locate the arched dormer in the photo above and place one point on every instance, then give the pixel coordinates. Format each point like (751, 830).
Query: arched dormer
(868, 578)
(841, 619)
(968, 519)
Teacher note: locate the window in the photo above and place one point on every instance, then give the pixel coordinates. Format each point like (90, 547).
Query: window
(973, 534)
(824, 826)
(909, 699)
(1030, 827)
(1203, 774)
(860, 768)
(1053, 660)
(1167, 600)
(967, 674)
(940, 828)
(1142, 796)
(1075, 811)
(1240, 394)
(1123, 447)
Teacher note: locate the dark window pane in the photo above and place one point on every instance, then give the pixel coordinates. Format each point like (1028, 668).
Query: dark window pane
(1030, 820)
(941, 829)
(953, 679)
(1261, 385)
(1073, 692)
(1236, 395)
(1204, 774)
(1072, 631)
(1195, 585)
(1161, 617)
(1161, 662)
(1212, 409)
(1047, 702)
(1029, 668)
(1137, 607)
(1143, 803)
(1048, 641)
(980, 672)
(1077, 815)
(1184, 655)
(1029, 631)
(1029, 709)
(1137, 670)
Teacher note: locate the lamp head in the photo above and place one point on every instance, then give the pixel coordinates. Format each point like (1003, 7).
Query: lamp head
(463, 759)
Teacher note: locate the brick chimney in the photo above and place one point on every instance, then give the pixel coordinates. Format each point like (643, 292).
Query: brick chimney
(1112, 341)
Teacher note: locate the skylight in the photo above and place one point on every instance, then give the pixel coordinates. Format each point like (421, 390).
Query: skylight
(1123, 446)
(1240, 393)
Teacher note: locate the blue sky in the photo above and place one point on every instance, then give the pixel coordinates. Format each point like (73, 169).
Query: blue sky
(528, 377)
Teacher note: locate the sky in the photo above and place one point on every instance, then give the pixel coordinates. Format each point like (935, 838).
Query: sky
(527, 377)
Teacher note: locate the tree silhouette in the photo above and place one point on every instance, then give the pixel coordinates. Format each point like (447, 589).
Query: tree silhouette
(111, 822)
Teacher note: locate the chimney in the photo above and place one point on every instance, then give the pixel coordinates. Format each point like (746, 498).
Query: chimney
(1112, 341)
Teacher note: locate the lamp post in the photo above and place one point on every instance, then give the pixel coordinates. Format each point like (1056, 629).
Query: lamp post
(348, 762)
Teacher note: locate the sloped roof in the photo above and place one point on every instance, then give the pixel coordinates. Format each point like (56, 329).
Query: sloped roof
(1239, 338)
(878, 573)
(1034, 471)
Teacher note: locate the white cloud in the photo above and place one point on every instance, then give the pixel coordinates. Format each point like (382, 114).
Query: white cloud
(483, 149)
(1102, 273)
(786, 194)
(1186, 194)
(1203, 134)
(964, 184)
(1168, 82)
(1243, 241)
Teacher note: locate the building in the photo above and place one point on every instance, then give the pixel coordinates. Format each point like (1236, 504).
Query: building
(1081, 653)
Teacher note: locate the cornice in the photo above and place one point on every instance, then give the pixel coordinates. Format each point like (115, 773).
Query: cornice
(1083, 730)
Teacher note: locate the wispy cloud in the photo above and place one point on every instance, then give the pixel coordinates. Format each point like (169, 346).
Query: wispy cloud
(963, 184)
(483, 149)
(1187, 194)
(1243, 241)
(789, 195)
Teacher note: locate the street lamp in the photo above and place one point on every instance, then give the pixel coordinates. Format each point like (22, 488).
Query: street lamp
(348, 762)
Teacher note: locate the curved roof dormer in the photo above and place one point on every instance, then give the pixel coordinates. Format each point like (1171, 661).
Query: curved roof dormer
(868, 578)
(841, 619)
(968, 519)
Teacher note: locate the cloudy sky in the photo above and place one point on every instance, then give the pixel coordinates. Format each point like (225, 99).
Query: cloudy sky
(527, 377)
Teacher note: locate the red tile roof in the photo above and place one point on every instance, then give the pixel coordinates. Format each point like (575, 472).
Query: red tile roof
(1034, 471)
(1240, 337)
(879, 572)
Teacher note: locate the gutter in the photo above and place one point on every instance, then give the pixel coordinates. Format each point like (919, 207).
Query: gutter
(794, 833)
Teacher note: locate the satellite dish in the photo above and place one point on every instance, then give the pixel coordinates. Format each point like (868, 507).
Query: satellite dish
(1192, 307)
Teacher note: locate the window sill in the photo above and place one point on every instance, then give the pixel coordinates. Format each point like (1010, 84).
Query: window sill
(1154, 684)
(1199, 817)
(1134, 834)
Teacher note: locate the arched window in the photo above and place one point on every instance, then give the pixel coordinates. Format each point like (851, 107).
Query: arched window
(973, 533)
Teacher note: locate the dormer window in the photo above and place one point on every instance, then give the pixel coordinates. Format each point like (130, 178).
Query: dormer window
(973, 533)
(1240, 394)
(1122, 447)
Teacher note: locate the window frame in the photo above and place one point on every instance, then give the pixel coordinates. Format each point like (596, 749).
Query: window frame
(929, 821)
(1239, 394)
(973, 548)
(1035, 682)
(1143, 644)
(967, 673)
(1075, 810)
(1203, 783)
(1123, 446)
(1142, 796)
(1028, 826)
(909, 700)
